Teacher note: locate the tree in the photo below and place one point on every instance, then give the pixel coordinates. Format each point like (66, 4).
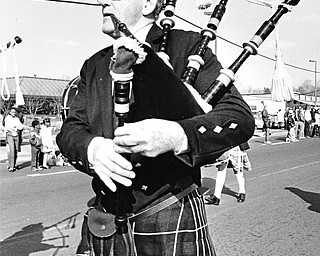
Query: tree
(34, 104)
(5, 105)
(266, 90)
(307, 86)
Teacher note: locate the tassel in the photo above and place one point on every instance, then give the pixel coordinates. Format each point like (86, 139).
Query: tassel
(19, 95)
(281, 87)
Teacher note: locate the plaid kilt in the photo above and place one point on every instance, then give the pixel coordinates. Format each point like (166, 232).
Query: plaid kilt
(181, 229)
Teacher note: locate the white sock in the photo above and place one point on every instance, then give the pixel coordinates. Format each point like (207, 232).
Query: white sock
(241, 183)
(220, 180)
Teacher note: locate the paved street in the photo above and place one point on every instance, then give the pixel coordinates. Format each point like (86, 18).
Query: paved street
(41, 213)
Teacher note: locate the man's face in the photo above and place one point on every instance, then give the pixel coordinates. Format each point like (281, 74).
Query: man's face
(13, 112)
(127, 11)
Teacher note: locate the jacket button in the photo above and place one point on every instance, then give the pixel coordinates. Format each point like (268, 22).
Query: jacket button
(137, 165)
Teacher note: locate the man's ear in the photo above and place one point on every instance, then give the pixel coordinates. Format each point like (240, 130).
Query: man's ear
(149, 7)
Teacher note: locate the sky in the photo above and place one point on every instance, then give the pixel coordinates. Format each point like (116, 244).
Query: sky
(57, 38)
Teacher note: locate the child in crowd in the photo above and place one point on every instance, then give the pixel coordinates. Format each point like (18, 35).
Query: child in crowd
(60, 159)
(47, 147)
(35, 141)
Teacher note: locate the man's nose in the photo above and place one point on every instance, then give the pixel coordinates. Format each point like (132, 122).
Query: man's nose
(104, 2)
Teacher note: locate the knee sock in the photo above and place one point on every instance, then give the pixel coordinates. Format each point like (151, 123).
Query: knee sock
(241, 182)
(220, 180)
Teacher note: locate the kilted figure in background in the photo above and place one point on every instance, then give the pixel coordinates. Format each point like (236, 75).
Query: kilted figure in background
(237, 159)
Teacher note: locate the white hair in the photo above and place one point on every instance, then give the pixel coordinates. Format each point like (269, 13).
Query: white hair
(158, 8)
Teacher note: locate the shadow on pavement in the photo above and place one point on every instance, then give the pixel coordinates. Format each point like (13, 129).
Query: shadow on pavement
(310, 197)
(24, 164)
(210, 183)
(30, 239)
(229, 192)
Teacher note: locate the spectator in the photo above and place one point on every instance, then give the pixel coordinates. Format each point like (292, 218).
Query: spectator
(316, 127)
(312, 112)
(12, 127)
(299, 130)
(60, 159)
(286, 113)
(35, 142)
(307, 122)
(266, 122)
(21, 118)
(47, 146)
(280, 117)
(291, 137)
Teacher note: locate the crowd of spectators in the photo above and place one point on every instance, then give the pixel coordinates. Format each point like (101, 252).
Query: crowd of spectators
(44, 153)
(302, 123)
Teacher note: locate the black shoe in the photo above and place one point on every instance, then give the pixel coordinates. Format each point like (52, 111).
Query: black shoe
(241, 198)
(211, 199)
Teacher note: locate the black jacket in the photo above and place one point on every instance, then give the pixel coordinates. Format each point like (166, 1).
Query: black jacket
(229, 124)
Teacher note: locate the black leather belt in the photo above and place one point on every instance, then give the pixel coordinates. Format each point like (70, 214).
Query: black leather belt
(164, 204)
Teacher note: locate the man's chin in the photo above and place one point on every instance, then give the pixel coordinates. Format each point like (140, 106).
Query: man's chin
(112, 33)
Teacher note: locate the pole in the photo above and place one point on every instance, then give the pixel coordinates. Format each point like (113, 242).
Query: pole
(315, 81)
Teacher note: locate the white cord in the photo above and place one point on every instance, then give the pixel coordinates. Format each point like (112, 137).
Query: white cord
(5, 94)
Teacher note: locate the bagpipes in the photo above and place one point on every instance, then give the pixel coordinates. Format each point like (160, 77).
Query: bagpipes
(159, 93)
(134, 67)
(250, 48)
(156, 88)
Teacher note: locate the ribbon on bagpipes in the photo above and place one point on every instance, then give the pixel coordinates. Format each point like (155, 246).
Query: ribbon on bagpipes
(5, 92)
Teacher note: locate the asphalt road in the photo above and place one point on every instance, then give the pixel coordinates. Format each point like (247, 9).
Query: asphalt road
(41, 213)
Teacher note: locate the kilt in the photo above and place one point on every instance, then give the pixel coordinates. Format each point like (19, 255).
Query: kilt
(180, 229)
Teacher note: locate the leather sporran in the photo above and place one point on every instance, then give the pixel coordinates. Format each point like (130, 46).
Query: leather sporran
(105, 238)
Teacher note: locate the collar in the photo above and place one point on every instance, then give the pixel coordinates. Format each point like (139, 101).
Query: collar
(149, 33)
(142, 33)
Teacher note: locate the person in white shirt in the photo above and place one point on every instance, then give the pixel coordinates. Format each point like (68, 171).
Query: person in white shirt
(307, 122)
(47, 146)
(12, 127)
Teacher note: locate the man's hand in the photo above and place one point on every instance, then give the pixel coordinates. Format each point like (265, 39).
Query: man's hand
(149, 137)
(109, 165)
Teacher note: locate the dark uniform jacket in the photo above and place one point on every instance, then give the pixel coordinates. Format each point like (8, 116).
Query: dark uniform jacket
(229, 124)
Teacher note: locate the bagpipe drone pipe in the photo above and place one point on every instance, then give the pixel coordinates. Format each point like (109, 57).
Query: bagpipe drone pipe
(169, 93)
(158, 91)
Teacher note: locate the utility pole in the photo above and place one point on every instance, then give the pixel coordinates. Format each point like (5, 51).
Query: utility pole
(315, 81)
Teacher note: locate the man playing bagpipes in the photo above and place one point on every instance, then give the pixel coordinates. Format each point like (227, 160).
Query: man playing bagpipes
(158, 153)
